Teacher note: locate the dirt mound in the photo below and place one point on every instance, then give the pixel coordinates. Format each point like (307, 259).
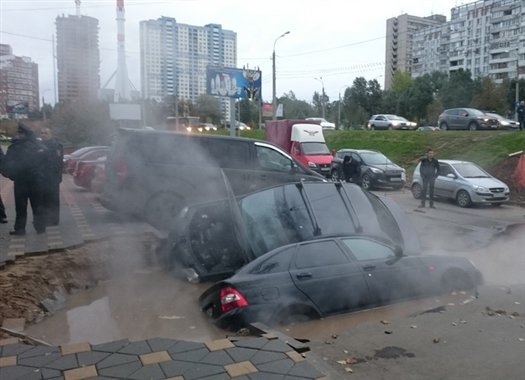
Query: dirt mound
(504, 170)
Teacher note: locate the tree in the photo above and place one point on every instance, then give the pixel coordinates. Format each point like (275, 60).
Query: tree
(458, 90)
(294, 108)
(80, 124)
(490, 96)
(209, 109)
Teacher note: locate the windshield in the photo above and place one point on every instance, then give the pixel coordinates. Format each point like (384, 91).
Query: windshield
(314, 148)
(469, 170)
(374, 158)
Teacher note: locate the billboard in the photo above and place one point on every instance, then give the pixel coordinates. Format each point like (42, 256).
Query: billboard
(234, 83)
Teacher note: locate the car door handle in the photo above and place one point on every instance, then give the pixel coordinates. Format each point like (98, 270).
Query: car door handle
(369, 267)
(303, 275)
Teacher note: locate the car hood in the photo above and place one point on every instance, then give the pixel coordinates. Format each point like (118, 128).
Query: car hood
(486, 182)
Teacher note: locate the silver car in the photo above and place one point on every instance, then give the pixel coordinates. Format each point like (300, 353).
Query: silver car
(388, 121)
(464, 182)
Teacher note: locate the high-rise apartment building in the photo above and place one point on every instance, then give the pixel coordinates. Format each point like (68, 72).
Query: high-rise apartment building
(78, 60)
(399, 40)
(174, 57)
(18, 84)
(486, 37)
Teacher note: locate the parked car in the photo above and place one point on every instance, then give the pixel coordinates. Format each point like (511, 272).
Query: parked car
(86, 153)
(374, 169)
(325, 124)
(99, 177)
(213, 239)
(85, 172)
(466, 118)
(428, 128)
(318, 278)
(503, 122)
(464, 182)
(388, 121)
(154, 174)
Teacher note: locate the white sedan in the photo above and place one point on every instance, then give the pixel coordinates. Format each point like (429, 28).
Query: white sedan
(322, 122)
(388, 121)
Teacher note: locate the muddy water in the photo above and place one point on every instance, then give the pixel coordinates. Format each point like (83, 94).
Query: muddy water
(140, 305)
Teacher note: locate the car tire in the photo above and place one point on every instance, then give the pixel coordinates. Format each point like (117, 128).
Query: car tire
(335, 176)
(417, 190)
(390, 127)
(366, 182)
(473, 126)
(456, 280)
(443, 126)
(463, 199)
(373, 127)
(161, 209)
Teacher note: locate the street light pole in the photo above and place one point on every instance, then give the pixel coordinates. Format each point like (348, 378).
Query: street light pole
(274, 98)
(322, 95)
(517, 95)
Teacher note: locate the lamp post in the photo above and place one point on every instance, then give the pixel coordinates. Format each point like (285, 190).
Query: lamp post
(274, 98)
(517, 94)
(322, 95)
(339, 107)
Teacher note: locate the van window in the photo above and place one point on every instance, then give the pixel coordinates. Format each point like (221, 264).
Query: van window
(270, 159)
(229, 153)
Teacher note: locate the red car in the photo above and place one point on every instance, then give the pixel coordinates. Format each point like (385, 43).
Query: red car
(99, 177)
(85, 172)
(86, 153)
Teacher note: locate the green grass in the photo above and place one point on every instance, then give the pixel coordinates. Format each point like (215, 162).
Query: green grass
(486, 148)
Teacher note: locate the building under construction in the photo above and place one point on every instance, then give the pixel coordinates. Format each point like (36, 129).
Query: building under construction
(78, 61)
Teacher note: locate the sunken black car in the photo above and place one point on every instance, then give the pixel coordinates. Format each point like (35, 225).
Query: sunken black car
(328, 276)
(212, 240)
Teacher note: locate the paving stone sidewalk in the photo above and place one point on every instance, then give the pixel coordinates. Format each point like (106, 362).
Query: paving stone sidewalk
(82, 219)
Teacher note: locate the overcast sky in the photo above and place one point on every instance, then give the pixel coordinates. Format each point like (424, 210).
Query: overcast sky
(336, 40)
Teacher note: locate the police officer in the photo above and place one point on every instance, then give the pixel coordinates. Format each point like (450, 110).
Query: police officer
(54, 164)
(24, 164)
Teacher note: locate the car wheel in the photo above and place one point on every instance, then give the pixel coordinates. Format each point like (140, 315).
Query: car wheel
(389, 127)
(161, 210)
(472, 126)
(417, 190)
(443, 126)
(335, 176)
(455, 279)
(366, 182)
(373, 127)
(463, 199)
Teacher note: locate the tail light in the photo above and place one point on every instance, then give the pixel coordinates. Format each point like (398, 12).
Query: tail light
(231, 299)
(121, 171)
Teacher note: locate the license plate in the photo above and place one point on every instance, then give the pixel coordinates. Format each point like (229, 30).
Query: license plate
(395, 179)
(325, 169)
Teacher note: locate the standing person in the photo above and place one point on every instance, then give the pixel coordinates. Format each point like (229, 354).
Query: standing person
(3, 216)
(521, 115)
(429, 170)
(349, 169)
(54, 164)
(24, 164)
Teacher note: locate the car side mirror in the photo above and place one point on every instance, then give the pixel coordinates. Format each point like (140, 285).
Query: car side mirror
(451, 175)
(398, 252)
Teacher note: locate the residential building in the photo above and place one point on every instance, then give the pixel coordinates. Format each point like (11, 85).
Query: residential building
(18, 84)
(174, 57)
(399, 40)
(78, 61)
(486, 37)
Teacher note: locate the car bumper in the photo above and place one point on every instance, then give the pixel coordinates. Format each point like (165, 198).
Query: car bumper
(388, 180)
(490, 197)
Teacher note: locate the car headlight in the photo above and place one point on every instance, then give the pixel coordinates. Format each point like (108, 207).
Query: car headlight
(505, 123)
(481, 189)
(312, 165)
(376, 170)
(403, 176)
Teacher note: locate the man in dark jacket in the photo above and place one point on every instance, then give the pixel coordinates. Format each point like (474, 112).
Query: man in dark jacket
(350, 169)
(24, 164)
(429, 170)
(521, 115)
(54, 163)
(3, 216)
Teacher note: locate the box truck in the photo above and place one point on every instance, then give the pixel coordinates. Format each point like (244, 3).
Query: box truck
(304, 140)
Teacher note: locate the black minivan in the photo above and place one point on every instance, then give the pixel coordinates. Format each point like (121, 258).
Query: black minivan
(154, 174)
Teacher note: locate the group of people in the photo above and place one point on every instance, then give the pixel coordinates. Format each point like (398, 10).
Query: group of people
(35, 166)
